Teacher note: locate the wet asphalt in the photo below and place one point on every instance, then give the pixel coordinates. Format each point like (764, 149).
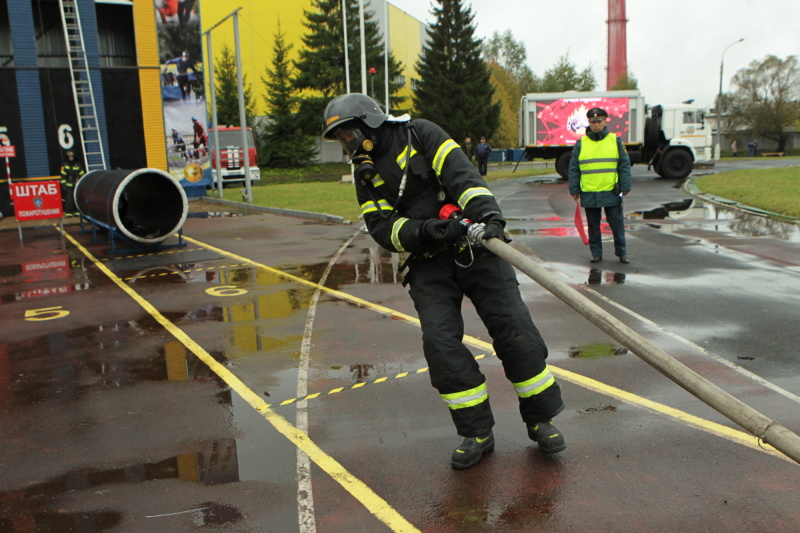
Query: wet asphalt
(264, 373)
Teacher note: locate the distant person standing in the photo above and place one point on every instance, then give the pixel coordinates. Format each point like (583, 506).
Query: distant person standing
(482, 155)
(755, 147)
(71, 172)
(734, 148)
(599, 176)
(467, 147)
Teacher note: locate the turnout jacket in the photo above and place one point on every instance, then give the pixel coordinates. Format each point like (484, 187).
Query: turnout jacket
(438, 173)
(70, 173)
(605, 198)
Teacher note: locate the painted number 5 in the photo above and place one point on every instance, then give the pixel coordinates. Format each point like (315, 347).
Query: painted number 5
(47, 313)
(225, 290)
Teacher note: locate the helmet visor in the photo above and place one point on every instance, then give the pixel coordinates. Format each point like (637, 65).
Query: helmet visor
(349, 138)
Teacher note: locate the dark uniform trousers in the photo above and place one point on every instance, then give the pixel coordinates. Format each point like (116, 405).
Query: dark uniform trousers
(438, 286)
(616, 223)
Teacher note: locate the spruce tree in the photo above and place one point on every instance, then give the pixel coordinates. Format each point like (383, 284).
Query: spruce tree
(284, 145)
(455, 90)
(227, 97)
(321, 60)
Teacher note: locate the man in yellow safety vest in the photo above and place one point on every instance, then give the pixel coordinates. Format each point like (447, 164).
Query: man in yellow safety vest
(599, 176)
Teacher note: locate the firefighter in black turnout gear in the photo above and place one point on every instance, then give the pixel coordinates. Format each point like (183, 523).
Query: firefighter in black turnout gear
(71, 172)
(406, 172)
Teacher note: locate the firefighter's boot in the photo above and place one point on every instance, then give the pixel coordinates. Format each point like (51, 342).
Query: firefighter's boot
(470, 452)
(547, 436)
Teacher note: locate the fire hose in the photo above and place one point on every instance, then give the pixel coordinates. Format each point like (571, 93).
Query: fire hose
(769, 431)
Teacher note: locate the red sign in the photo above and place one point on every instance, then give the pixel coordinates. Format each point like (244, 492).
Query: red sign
(8, 151)
(37, 200)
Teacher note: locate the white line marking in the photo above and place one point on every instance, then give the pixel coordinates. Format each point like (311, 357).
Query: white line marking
(305, 496)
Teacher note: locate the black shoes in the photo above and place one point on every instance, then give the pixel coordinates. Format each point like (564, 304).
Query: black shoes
(547, 436)
(596, 259)
(470, 452)
(624, 259)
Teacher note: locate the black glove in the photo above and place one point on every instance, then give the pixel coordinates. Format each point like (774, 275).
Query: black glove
(440, 232)
(494, 228)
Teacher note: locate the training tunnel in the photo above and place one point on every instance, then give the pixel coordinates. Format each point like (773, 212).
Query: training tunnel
(145, 206)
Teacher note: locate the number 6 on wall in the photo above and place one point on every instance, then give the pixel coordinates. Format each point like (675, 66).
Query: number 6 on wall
(47, 313)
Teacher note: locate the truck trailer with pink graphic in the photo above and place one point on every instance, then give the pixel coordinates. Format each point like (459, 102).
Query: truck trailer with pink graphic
(668, 138)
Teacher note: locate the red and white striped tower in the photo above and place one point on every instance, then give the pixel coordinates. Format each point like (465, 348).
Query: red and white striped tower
(617, 43)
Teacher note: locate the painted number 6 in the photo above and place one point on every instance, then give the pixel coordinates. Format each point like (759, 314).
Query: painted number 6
(47, 313)
(225, 290)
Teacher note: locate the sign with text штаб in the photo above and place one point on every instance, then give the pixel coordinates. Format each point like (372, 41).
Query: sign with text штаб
(37, 200)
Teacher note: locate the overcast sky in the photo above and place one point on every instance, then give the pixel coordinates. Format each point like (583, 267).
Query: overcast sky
(674, 47)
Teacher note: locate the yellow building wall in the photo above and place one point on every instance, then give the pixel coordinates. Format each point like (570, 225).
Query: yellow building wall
(405, 39)
(144, 22)
(258, 24)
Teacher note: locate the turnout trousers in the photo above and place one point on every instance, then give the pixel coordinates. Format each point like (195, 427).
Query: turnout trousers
(438, 287)
(615, 222)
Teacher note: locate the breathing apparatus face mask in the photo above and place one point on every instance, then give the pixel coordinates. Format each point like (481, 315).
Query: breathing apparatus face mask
(357, 146)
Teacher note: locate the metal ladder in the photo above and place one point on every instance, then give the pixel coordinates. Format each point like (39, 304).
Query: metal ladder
(82, 91)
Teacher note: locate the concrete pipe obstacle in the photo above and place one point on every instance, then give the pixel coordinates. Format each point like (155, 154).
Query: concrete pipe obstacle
(145, 206)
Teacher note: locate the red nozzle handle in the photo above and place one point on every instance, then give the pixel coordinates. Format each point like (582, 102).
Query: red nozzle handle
(449, 211)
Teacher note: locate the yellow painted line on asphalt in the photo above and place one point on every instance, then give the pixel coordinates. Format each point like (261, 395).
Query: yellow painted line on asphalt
(290, 401)
(357, 488)
(713, 428)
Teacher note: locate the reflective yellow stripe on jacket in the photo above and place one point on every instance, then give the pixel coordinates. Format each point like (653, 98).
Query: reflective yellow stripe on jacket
(441, 154)
(372, 207)
(471, 193)
(598, 163)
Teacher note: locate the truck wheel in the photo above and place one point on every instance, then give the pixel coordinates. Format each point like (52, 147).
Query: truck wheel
(562, 165)
(676, 165)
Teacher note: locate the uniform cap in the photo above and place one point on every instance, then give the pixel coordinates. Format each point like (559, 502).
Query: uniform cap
(597, 112)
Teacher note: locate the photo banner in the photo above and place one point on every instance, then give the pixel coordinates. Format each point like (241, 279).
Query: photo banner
(180, 54)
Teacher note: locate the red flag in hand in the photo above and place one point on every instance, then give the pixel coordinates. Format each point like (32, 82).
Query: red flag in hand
(579, 223)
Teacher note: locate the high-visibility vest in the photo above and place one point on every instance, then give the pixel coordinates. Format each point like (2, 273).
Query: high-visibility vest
(598, 163)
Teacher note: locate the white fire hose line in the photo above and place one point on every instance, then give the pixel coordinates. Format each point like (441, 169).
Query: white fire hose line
(305, 497)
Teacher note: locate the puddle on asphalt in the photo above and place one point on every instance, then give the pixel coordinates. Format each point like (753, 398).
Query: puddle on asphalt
(733, 221)
(597, 277)
(689, 210)
(57, 274)
(214, 462)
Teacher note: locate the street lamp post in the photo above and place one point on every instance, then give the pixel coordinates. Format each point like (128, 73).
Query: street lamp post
(719, 100)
